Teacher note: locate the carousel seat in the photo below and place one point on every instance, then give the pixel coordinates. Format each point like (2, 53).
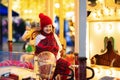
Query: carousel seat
(46, 64)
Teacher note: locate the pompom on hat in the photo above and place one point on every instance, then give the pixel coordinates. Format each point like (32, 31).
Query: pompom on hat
(44, 20)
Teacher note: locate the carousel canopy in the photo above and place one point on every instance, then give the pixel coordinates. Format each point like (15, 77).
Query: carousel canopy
(4, 11)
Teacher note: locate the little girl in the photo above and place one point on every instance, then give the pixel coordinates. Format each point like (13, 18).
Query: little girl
(47, 40)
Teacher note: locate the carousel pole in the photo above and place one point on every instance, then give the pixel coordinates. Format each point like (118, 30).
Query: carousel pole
(50, 8)
(82, 41)
(10, 28)
(76, 48)
(61, 19)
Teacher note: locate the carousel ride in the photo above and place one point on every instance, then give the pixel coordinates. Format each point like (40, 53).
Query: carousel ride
(43, 68)
(30, 67)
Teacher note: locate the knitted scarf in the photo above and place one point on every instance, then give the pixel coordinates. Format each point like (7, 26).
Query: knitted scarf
(47, 44)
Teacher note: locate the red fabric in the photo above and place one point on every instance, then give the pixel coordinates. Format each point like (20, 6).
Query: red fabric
(16, 63)
(62, 67)
(10, 77)
(5, 78)
(47, 44)
(44, 20)
(14, 76)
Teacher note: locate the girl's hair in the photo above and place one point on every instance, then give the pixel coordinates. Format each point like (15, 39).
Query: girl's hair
(53, 28)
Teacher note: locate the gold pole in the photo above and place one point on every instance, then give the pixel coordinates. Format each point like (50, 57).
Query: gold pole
(10, 27)
(49, 8)
(61, 17)
(76, 48)
(76, 10)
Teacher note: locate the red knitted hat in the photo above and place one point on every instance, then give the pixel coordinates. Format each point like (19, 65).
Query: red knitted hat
(44, 20)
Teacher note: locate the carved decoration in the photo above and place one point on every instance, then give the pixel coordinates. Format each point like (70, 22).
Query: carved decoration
(109, 56)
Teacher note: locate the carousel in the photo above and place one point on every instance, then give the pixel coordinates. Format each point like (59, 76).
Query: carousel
(97, 29)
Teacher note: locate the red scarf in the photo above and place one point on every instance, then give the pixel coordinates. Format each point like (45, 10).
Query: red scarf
(47, 44)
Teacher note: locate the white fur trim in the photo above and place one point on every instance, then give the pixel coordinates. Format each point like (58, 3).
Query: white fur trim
(39, 38)
(60, 46)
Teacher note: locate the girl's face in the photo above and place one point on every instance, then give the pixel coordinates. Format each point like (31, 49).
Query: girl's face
(48, 29)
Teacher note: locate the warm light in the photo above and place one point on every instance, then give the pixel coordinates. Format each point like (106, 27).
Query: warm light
(70, 14)
(93, 14)
(98, 28)
(30, 11)
(91, 48)
(109, 72)
(27, 11)
(118, 12)
(106, 11)
(97, 70)
(15, 6)
(109, 28)
(57, 5)
(119, 29)
(101, 1)
(72, 4)
(99, 13)
(112, 11)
